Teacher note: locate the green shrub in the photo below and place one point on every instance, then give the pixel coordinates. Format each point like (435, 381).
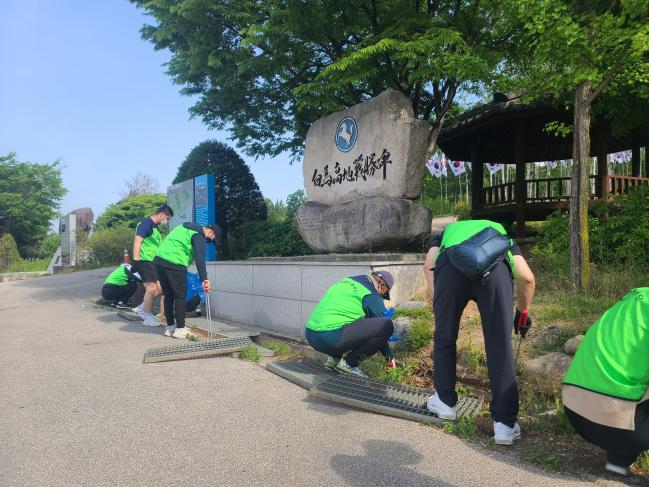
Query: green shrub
(28, 265)
(50, 244)
(419, 335)
(107, 246)
(266, 238)
(438, 206)
(462, 210)
(250, 353)
(8, 252)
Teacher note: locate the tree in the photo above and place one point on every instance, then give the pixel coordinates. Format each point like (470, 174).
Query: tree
(30, 196)
(140, 184)
(293, 202)
(583, 47)
(238, 197)
(267, 70)
(129, 211)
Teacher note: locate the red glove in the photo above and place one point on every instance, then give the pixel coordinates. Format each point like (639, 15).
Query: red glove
(392, 364)
(522, 322)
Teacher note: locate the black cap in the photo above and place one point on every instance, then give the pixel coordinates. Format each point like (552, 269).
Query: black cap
(166, 209)
(388, 279)
(217, 231)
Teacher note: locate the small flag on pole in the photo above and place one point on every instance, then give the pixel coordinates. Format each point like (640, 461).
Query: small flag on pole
(457, 167)
(433, 166)
(493, 168)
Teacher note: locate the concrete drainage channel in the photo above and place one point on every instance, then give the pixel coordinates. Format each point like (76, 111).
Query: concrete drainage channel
(194, 350)
(369, 394)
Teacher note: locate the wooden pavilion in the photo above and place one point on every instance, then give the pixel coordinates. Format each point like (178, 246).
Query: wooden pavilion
(508, 132)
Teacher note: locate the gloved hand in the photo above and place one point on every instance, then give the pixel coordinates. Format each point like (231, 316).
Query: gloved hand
(206, 285)
(522, 322)
(135, 266)
(389, 313)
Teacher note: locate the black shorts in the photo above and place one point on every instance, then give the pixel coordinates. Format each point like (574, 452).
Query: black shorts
(148, 271)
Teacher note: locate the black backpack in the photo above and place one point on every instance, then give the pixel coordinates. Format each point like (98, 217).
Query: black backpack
(478, 255)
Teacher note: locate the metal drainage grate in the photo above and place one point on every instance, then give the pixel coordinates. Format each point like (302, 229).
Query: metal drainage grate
(304, 374)
(387, 398)
(191, 350)
(129, 315)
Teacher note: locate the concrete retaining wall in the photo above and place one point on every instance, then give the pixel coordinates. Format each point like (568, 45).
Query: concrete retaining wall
(277, 295)
(19, 276)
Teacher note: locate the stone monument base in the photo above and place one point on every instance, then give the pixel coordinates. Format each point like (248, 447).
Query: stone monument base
(276, 295)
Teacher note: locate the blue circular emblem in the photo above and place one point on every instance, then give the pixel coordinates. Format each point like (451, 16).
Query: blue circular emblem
(346, 134)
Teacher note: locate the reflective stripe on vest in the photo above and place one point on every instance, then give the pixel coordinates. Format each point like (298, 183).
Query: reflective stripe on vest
(457, 232)
(150, 245)
(613, 358)
(177, 247)
(341, 304)
(118, 277)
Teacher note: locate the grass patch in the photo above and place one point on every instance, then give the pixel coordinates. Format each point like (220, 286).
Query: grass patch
(250, 353)
(545, 459)
(643, 462)
(375, 367)
(466, 428)
(419, 335)
(192, 338)
(417, 313)
(283, 350)
(28, 265)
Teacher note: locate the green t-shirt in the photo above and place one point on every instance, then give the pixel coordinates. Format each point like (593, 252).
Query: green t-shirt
(613, 358)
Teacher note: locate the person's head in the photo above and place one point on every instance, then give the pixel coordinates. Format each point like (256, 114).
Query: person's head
(213, 233)
(383, 282)
(162, 215)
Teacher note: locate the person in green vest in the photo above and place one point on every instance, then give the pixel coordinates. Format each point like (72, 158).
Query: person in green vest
(351, 319)
(606, 389)
(145, 245)
(120, 285)
(184, 244)
(475, 260)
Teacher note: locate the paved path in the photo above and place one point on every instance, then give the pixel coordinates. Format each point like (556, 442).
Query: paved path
(79, 408)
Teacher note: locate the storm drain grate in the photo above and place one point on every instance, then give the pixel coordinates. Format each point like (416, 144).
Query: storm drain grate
(192, 350)
(304, 374)
(387, 398)
(129, 315)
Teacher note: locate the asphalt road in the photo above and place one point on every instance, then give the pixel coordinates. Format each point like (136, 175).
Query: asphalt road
(79, 408)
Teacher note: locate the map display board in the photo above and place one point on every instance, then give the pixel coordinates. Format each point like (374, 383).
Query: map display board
(180, 197)
(204, 210)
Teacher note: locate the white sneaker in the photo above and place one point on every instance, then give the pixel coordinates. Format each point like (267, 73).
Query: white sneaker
(139, 310)
(150, 320)
(437, 406)
(611, 467)
(182, 333)
(169, 331)
(504, 435)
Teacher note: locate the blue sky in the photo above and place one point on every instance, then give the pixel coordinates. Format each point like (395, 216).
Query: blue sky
(78, 84)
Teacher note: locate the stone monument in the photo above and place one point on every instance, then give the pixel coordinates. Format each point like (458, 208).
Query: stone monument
(362, 169)
(68, 231)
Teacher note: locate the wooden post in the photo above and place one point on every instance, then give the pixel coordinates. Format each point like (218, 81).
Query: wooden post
(521, 187)
(635, 155)
(602, 187)
(477, 175)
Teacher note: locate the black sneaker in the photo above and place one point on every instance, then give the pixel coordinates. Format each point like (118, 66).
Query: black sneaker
(122, 305)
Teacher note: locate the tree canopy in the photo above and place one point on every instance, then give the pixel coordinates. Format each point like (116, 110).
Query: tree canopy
(267, 70)
(237, 194)
(30, 196)
(129, 211)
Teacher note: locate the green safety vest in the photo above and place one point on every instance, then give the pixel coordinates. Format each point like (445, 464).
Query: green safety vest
(177, 247)
(457, 232)
(341, 304)
(150, 244)
(613, 358)
(118, 277)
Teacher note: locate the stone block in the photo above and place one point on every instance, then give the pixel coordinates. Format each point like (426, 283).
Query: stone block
(571, 346)
(282, 316)
(232, 306)
(276, 280)
(365, 225)
(232, 278)
(374, 148)
(554, 364)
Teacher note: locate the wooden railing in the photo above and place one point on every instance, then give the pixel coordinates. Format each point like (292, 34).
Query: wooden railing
(500, 194)
(621, 184)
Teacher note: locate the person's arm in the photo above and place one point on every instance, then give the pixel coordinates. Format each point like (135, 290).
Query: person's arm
(525, 283)
(429, 265)
(137, 245)
(373, 306)
(198, 244)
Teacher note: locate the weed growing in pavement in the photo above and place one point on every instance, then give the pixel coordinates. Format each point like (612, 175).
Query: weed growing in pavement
(415, 313)
(419, 335)
(250, 354)
(282, 350)
(546, 460)
(192, 338)
(643, 462)
(466, 427)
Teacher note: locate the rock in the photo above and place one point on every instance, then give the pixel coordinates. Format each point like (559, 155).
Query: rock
(84, 217)
(413, 304)
(570, 347)
(548, 337)
(554, 364)
(365, 225)
(402, 326)
(375, 148)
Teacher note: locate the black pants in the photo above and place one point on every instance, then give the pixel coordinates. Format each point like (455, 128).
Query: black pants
(173, 283)
(361, 338)
(622, 446)
(192, 303)
(495, 300)
(112, 292)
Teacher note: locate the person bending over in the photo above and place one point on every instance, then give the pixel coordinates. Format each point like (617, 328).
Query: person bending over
(606, 391)
(457, 271)
(350, 319)
(120, 286)
(184, 244)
